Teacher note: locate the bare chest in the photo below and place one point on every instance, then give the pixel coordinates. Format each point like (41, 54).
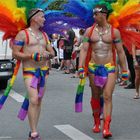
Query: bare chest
(36, 43)
(97, 37)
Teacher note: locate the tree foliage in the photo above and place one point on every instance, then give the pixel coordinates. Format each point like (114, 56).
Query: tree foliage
(57, 4)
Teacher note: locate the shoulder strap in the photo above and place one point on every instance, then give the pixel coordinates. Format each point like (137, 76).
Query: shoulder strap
(46, 37)
(112, 33)
(27, 36)
(113, 48)
(91, 30)
(88, 57)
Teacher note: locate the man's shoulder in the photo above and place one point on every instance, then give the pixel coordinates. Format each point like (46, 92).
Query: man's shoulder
(115, 29)
(21, 35)
(89, 30)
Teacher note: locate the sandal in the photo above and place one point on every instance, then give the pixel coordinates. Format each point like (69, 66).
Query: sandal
(37, 137)
(123, 83)
(136, 97)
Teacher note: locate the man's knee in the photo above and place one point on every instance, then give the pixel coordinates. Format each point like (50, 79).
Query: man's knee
(34, 101)
(107, 97)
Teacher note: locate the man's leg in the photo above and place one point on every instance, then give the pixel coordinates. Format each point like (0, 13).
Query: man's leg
(137, 82)
(107, 94)
(95, 104)
(34, 106)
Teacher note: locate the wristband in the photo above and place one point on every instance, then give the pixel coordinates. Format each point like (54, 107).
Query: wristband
(81, 72)
(36, 57)
(124, 75)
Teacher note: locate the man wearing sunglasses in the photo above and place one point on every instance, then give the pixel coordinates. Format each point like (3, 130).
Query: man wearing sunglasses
(103, 41)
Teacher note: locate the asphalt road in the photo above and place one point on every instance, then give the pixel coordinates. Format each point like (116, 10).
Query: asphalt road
(58, 120)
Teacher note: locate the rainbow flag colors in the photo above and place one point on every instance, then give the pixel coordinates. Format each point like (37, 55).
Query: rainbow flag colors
(10, 85)
(79, 95)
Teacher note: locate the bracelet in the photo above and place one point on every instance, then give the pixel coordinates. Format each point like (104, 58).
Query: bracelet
(81, 72)
(124, 75)
(36, 56)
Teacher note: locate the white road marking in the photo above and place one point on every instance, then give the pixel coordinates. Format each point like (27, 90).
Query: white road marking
(16, 96)
(6, 137)
(72, 132)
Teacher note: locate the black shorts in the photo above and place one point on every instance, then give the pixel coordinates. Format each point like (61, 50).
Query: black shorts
(55, 52)
(138, 59)
(67, 55)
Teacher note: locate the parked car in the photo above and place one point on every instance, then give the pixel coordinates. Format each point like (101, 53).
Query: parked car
(7, 63)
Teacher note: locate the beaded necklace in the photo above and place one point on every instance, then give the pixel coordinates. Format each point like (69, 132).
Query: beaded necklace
(101, 33)
(38, 38)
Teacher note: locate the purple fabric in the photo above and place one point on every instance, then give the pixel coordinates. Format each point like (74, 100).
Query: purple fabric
(22, 114)
(41, 92)
(78, 107)
(1, 107)
(100, 81)
(34, 82)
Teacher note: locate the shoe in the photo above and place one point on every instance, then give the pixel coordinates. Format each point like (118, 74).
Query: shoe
(36, 137)
(66, 72)
(136, 96)
(106, 128)
(101, 116)
(59, 69)
(123, 83)
(96, 128)
(130, 86)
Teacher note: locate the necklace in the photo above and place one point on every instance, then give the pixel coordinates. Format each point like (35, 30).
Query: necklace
(101, 33)
(38, 38)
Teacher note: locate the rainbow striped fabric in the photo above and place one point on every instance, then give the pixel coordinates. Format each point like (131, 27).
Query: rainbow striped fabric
(79, 95)
(10, 85)
(38, 78)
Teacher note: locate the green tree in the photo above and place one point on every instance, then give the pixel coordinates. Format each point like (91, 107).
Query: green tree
(57, 4)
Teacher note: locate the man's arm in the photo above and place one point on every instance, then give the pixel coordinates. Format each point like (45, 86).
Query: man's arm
(49, 50)
(18, 45)
(120, 50)
(134, 55)
(84, 49)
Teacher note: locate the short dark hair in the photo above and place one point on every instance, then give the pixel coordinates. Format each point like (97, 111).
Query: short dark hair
(32, 13)
(81, 31)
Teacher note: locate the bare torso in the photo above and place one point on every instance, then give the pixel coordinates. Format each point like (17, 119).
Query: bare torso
(101, 44)
(35, 45)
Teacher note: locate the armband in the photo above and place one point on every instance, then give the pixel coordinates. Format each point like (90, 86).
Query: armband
(117, 41)
(18, 43)
(85, 39)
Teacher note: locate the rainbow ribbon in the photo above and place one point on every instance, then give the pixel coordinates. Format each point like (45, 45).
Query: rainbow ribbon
(38, 79)
(10, 85)
(79, 95)
(24, 109)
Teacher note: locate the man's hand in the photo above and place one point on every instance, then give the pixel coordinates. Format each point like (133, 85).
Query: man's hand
(47, 55)
(81, 73)
(135, 63)
(124, 75)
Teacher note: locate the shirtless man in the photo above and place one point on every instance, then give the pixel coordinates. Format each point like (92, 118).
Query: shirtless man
(36, 50)
(101, 67)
